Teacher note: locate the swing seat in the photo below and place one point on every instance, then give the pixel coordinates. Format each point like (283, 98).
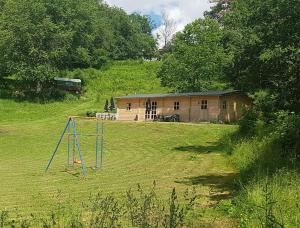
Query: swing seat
(77, 162)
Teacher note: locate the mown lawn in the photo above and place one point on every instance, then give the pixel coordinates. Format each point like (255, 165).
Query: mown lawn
(173, 155)
(184, 156)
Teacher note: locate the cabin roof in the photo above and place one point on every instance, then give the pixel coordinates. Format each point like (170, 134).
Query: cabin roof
(67, 80)
(206, 93)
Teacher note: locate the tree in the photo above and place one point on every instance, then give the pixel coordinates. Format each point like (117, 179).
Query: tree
(112, 104)
(219, 9)
(264, 38)
(39, 38)
(198, 59)
(106, 108)
(167, 29)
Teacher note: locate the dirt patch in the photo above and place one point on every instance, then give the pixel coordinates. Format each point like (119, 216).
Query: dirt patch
(3, 132)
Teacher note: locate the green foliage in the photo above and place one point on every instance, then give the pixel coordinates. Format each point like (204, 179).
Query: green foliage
(144, 209)
(264, 39)
(218, 10)
(288, 127)
(112, 105)
(265, 105)
(137, 209)
(197, 60)
(106, 211)
(270, 201)
(91, 113)
(106, 106)
(40, 38)
(118, 79)
(247, 124)
(267, 156)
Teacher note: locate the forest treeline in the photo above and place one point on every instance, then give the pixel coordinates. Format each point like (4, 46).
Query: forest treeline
(40, 38)
(249, 45)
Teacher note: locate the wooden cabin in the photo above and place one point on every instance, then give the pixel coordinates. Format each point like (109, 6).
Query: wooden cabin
(210, 106)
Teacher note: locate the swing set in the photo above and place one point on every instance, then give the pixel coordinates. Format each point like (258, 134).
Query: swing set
(73, 141)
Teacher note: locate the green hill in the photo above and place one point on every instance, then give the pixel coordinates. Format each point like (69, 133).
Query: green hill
(119, 78)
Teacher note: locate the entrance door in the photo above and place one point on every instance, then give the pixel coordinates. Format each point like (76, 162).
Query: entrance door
(204, 115)
(151, 110)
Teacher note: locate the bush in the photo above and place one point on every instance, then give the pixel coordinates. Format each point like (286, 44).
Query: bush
(136, 209)
(91, 113)
(270, 201)
(265, 105)
(247, 124)
(287, 126)
(266, 151)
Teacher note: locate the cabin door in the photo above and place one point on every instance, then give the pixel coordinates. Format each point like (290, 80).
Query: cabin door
(151, 110)
(204, 115)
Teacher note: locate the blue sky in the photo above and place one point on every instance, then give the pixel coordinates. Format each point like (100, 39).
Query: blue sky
(181, 11)
(156, 18)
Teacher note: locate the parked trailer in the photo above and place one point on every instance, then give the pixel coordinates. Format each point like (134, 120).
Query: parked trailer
(68, 84)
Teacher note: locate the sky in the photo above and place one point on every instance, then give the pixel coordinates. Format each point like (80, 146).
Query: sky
(181, 11)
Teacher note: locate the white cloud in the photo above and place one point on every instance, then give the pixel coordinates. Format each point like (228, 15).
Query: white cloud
(181, 11)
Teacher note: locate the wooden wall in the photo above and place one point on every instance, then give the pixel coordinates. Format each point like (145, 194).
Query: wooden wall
(189, 110)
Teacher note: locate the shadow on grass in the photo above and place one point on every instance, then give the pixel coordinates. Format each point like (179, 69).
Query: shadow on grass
(211, 148)
(19, 91)
(73, 173)
(221, 185)
(77, 171)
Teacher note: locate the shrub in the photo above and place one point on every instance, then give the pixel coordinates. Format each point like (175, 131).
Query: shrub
(91, 113)
(270, 201)
(266, 152)
(264, 104)
(137, 209)
(247, 124)
(288, 128)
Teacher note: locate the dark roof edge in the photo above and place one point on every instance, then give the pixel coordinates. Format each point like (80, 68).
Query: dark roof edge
(207, 93)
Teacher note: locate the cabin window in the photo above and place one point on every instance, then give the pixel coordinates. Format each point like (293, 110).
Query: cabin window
(224, 104)
(129, 106)
(204, 104)
(176, 105)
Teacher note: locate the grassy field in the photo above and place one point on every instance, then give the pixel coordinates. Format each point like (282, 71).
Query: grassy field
(183, 156)
(178, 156)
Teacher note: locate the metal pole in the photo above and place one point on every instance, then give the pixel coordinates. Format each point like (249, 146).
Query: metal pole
(97, 138)
(69, 144)
(56, 148)
(102, 145)
(78, 147)
(74, 143)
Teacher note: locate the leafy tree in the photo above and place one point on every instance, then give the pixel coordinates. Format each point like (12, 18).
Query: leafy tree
(264, 38)
(39, 38)
(219, 9)
(197, 60)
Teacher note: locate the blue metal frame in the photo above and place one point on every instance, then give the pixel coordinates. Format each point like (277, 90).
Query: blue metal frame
(75, 142)
(97, 136)
(69, 144)
(59, 142)
(102, 145)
